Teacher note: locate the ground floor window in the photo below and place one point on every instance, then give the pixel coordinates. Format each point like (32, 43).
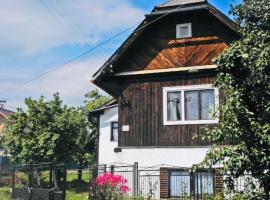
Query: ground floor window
(204, 183)
(184, 184)
(179, 184)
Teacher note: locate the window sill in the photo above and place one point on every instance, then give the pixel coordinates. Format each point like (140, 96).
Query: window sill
(198, 122)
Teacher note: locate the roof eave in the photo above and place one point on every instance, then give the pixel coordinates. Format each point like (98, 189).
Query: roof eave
(177, 10)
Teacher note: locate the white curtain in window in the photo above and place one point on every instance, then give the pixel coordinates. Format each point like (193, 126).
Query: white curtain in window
(204, 183)
(179, 184)
(174, 106)
(207, 104)
(192, 105)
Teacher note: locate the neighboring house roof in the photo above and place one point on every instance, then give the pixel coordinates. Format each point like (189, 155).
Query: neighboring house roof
(5, 112)
(167, 8)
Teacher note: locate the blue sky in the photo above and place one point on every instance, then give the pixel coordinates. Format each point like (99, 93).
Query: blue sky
(38, 36)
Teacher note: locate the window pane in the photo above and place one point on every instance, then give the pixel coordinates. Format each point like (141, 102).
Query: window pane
(115, 125)
(179, 184)
(115, 134)
(204, 183)
(192, 105)
(174, 106)
(115, 131)
(207, 104)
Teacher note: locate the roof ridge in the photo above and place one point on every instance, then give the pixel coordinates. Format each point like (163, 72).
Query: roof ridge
(179, 2)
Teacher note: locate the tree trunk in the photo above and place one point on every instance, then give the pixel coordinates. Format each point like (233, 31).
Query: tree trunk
(79, 175)
(267, 189)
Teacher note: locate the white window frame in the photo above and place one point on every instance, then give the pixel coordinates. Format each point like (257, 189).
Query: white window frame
(178, 26)
(182, 89)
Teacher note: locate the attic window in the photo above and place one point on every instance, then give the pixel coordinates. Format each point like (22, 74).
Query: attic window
(183, 30)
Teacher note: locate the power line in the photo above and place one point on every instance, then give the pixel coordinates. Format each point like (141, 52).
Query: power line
(92, 49)
(56, 14)
(73, 22)
(70, 60)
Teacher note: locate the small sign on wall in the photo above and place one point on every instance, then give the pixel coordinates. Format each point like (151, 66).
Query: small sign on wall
(125, 128)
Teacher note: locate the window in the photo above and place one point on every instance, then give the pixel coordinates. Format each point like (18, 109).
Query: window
(179, 184)
(190, 105)
(114, 131)
(204, 183)
(183, 30)
(182, 184)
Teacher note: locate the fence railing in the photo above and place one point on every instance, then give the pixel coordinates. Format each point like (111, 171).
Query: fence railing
(146, 182)
(44, 181)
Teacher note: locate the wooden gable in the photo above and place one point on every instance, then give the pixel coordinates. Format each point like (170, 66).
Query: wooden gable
(158, 48)
(153, 45)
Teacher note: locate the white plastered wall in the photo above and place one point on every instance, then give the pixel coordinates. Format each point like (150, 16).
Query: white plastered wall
(146, 157)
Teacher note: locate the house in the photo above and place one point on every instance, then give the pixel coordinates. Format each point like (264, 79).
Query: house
(4, 113)
(162, 80)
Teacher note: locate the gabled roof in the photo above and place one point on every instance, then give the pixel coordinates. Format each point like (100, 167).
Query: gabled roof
(173, 6)
(179, 2)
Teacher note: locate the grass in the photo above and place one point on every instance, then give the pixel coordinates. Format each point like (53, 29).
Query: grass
(76, 190)
(5, 193)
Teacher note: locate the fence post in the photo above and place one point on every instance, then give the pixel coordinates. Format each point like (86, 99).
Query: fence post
(64, 182)
(105, 168)
(135, 179)
(51, 175)
(112, 169)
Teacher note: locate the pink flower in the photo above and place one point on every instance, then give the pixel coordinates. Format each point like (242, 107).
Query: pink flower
(124, 189)
(115, 181)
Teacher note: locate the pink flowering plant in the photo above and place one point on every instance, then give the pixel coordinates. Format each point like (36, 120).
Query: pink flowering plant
(109, 187)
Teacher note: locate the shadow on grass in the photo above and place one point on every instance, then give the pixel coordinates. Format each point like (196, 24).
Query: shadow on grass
(78, 186)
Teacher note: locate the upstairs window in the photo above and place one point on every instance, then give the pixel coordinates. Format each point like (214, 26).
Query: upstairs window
(190, 105)
(183, 30)
(114, 131)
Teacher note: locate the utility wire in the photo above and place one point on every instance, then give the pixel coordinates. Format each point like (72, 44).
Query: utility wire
(53, 12)
(73, 22)
(92, 49)
(69, 61)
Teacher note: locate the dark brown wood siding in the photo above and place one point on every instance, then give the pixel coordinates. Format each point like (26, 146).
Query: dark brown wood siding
(158, 48)
(141, 107)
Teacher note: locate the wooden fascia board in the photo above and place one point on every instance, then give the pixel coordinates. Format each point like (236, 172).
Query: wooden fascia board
(121, 49)
(158, 71)
(223, 18)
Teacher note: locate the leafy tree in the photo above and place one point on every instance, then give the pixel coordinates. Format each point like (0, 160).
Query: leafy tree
(93, 100)
(88, 148)
(47, 131)
(243, 75)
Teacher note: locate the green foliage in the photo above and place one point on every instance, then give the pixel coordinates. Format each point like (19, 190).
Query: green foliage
(243, 75)
(5, 193)
(93, 100)
(47, 131)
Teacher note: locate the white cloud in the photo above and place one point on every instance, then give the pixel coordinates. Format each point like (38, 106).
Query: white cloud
(29, 30)
(72, 82)
(27, 27)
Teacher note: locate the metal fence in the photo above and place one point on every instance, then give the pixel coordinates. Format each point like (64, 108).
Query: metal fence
(146, 182)
(180, 182)
(45, 181)
(143, 182)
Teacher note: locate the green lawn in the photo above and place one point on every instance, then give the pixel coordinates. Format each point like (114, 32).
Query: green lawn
(5, 193)
(77, 190)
